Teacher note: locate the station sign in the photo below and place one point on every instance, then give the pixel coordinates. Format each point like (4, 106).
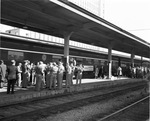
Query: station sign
(88, 67)
(19, 56)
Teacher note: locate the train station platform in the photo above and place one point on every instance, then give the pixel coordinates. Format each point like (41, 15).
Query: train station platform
(25, 94)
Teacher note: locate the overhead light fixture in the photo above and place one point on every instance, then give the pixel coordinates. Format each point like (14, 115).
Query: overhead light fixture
(25, 27)
(25, 24)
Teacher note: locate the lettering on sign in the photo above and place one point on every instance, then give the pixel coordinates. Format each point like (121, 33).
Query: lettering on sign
(15, 55)
(88, 68)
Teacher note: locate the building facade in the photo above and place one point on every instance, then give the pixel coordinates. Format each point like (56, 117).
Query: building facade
(94, 6)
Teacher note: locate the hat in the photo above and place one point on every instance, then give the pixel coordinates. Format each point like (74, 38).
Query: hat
(60, 62)
(12, 61)
(54, 64)
(1, 61)
(41, 62)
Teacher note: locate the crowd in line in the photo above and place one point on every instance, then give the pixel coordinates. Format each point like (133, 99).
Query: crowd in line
(128, 71)
(51, 75)
(137, 71)
(40, 75)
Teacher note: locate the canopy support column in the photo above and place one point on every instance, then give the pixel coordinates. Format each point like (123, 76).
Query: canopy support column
(141, 60)
(110, 60)
(132, 58)
(67, 36)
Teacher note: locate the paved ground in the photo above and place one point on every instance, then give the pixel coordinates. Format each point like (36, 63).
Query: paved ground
(23, 94)
(84, 81)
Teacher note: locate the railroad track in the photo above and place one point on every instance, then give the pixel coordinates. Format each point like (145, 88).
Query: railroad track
(137, 111)
(45, 107)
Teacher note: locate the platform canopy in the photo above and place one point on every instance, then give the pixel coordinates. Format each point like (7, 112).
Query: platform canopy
(55, 17)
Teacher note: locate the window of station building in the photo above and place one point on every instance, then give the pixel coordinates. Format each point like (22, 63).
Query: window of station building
(50, 38)
(32, 34)
(37, 35)
(83, 45)
(99, 49)
(41, 36)
(56, 39)
(46, 37)
(92, 48)
(86, 46)
(96, 48)
(79, 44)
(75, 44)
(89, 46)
(71, 43)
(53, 39)
(61, 40)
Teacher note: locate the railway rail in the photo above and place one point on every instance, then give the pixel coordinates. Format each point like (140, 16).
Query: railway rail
(38, 109)
(137, 111)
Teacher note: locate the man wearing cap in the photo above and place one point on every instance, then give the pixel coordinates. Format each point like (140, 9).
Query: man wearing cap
(54, 75)
(60, 73)
(19, 68)
(68, 75)
(11, 76)
(39, 70)
(25, 74)
(79, 74)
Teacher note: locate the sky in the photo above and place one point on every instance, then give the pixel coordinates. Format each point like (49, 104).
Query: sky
(131, 15)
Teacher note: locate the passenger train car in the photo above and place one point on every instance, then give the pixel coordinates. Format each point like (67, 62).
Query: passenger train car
(24, 48)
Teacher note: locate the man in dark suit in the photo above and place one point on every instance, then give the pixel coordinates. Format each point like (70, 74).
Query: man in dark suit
(11, 76)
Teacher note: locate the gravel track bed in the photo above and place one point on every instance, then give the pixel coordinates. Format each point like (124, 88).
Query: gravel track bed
(42, 110)
(97, 110)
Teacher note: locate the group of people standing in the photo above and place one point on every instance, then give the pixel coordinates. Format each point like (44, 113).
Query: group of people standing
(137, 71)
(128, 71)
(8, 73)
(100, 72)
(50, 75)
